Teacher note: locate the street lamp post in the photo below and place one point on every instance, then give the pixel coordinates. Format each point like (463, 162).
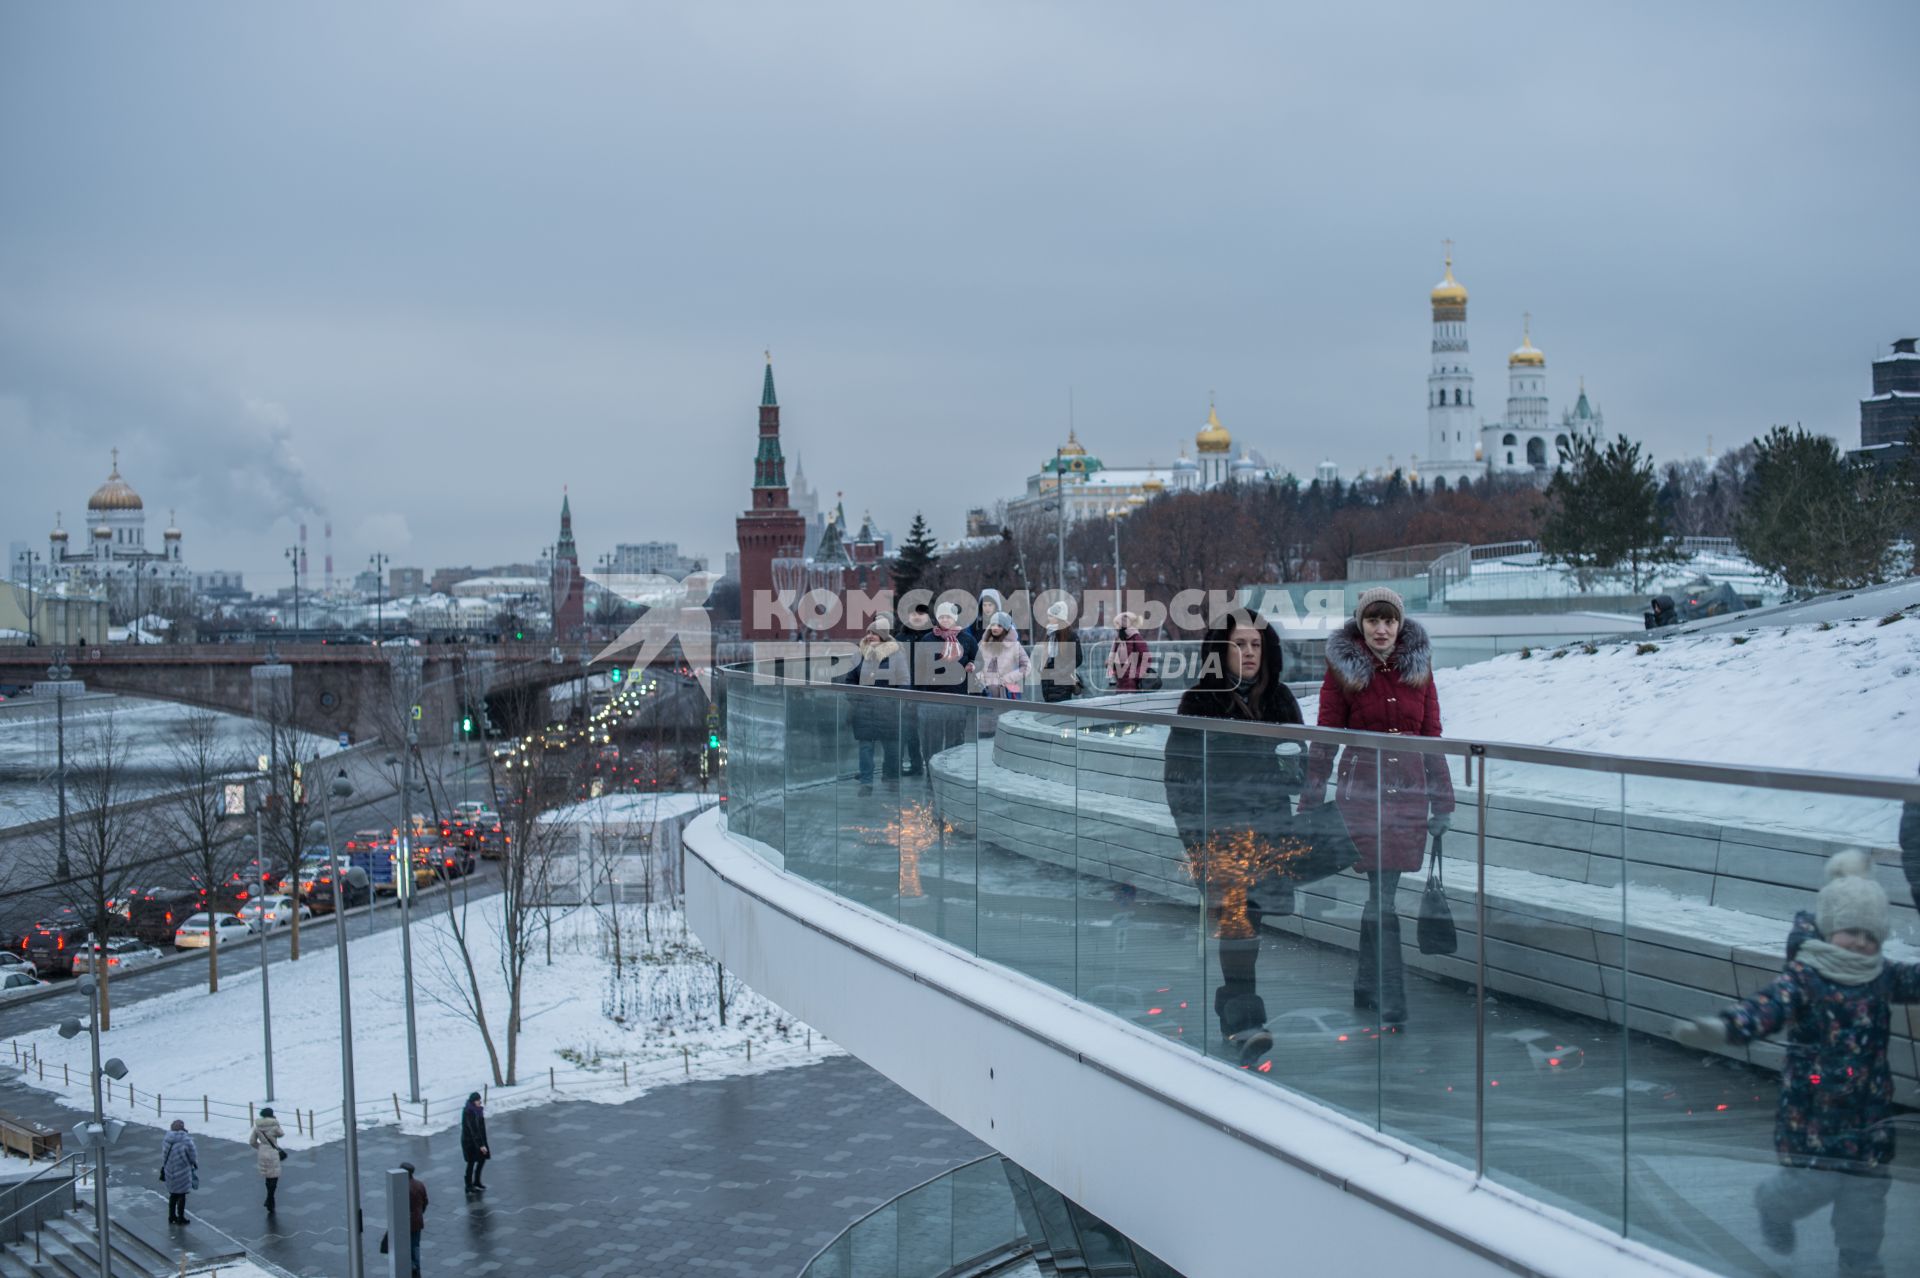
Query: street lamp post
(1060, 535)
(60, 672)
(98, 1134)
(403, 890)
(378, 562)
(266, 935)
(33, 609)
(356, 1263)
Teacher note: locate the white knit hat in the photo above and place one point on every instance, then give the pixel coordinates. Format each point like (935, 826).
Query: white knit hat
(1060, 610)
(1852, 900)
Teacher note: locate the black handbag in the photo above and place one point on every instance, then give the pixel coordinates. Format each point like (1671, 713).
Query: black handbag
(1321, 846)
(1437, 932)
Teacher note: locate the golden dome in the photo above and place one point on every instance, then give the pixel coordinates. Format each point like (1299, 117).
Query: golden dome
(1154, 485)
(1072, 447)
(173, 532)
(58, 534)
(1527, 354)
(1449, 291)
(116, 493)
(101, 532)
(1213, 437)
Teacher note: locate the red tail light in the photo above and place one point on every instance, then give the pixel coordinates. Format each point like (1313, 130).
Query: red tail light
(59, 942)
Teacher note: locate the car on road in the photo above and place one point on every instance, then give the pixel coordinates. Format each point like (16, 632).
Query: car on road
(315, 882)
(49, 944)
(452, 862)
(158, 912)
(197, 932)
(11, 962)
(121, 952)
(268, 912)
(14, 984)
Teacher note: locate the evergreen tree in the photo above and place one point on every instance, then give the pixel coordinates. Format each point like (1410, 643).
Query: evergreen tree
(915, 557)
(1817, 519)
(1603, 510)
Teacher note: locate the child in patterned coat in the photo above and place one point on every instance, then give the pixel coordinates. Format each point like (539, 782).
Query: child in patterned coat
(1832, 1133)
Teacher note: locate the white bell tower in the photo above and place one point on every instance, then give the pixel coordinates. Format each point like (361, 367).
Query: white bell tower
(1452, 434)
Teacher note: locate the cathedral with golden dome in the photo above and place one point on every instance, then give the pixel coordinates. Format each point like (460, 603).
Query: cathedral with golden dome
(1461, 447)
(112, 553)
(1095, 489)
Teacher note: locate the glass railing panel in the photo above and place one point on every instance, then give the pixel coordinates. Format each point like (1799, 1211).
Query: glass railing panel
(1027, 891)
(940, 845)
(925, 1220)
(1137, 906)
(818, 765)
(874, 1245)
(1555, 1054)
(871, 802)
(1786, 1128)
(1426, 837)
(834, 1262)
(984, 1219)
(756, 750)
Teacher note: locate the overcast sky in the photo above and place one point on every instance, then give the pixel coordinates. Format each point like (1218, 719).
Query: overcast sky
(416, 267)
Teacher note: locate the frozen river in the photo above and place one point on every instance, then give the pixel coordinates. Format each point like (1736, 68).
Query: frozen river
(148, 733)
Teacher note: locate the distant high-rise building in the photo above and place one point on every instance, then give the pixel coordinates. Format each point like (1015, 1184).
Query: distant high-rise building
(661, 557)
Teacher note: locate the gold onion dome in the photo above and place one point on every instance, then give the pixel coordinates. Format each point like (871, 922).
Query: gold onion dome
(1449, 291)
(1213, 437)
(173, 532)
(58, 533)
(1527, 354)
(116, 493)
(1073, 447)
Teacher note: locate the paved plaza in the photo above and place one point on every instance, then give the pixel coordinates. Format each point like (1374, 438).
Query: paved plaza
(745, 1176)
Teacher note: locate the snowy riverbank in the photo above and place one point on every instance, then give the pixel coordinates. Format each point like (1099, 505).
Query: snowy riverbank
(588, 1034)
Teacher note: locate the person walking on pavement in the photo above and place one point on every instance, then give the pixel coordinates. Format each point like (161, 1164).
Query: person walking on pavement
(267, 1154)
(416, 1215)
(876, 721)
(1380, 679)
(473, 1141)
(180, 1168)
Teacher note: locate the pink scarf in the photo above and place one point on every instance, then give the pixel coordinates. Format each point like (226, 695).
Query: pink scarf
(949, 643)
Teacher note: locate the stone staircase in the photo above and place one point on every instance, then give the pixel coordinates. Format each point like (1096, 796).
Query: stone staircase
(66, 1248)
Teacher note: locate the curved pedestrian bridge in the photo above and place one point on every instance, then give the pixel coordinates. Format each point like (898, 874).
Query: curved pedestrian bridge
(1018, 935)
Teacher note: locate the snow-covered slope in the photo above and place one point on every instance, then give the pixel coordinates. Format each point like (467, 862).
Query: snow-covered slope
(1835, 697)
(1839, 700)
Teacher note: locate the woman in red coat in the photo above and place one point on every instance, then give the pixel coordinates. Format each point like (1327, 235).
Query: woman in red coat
(1127, 659)
(1380, 679)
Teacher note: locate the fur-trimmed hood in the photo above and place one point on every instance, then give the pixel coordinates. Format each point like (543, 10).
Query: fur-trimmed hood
(1353, 662)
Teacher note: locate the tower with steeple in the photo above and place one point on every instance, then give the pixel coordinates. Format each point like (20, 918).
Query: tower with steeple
(770, 528)
(1452, 432)
(569, 587)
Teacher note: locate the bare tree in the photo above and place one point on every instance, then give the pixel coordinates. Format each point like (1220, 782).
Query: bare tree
(529, 787)
(101, 837)
(195, 815)
(289, 822)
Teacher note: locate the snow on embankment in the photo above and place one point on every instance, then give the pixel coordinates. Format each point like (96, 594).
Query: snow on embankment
(1845, 698)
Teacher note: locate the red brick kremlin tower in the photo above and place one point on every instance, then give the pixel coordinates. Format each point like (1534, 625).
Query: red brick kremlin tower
(569, 588)
(771, 529)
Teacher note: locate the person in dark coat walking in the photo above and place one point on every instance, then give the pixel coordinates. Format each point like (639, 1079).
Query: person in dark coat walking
(180, 1168)
(943, 660)
(1232, 802)
(1833, 1132)
(916, 631)
(473, 1141)
(1380, 679)
(416, 1215)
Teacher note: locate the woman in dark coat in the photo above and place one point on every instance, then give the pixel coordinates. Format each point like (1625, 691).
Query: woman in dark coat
(1380, 679)
(180, 1168)
(1232, 802)
(473, 1140)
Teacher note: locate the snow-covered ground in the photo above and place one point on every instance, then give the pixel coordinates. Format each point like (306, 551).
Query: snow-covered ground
(1835, 697)
(604, 1037)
